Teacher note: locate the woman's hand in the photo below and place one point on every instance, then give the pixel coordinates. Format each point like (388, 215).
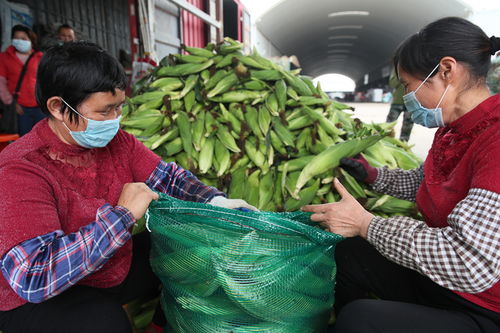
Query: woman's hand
(19, 109)
(136, 197)
(346, 217)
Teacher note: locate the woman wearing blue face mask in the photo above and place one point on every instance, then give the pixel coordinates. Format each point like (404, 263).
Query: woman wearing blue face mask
(70, 193)
(16, 87)
(440, 274)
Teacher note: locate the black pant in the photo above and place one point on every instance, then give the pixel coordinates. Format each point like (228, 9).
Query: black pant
(83, 309)
(407, 301)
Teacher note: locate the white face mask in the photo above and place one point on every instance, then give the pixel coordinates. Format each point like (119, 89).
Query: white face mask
(22, 45)
(97, 134)
(421, 115)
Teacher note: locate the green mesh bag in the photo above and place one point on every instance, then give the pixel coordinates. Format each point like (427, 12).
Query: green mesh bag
(224, 270)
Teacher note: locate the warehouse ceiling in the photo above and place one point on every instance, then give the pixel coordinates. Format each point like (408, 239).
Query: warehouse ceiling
(326, 39)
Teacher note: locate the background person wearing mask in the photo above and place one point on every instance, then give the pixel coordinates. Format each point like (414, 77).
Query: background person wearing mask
(398, 107)
(66, 33)
(440, 274)
(12, 61)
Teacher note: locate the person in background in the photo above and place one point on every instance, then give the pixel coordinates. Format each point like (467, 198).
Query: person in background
(398, 107)
(66, 33)
(71, 191)
(441, 274)
(387, 97)
(16, 56)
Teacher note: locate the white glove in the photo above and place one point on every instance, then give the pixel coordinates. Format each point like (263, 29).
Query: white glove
(224, 202)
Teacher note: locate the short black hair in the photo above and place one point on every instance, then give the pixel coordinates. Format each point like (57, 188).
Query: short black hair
(64, 26)
(74, 71)
(449, 36)
(19, 27)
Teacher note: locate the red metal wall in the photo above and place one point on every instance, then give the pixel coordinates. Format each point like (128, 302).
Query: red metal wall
(239, 18)
(194, 31)
(132, 21)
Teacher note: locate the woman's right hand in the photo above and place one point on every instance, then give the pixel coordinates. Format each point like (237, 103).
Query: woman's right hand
(359, 168)
(19, 109)
(136, 197)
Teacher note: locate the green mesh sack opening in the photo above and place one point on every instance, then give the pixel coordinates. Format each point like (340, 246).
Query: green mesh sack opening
(224, 270)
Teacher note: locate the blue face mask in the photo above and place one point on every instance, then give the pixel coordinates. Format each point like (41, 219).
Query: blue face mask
(98, 133)
(422, 115)
(22, 45)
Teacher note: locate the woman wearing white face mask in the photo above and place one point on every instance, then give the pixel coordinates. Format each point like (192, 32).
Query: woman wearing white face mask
(16, 88)
(441, 274)
(70, 193)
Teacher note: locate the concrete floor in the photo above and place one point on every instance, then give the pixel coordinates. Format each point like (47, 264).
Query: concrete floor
(421, 137)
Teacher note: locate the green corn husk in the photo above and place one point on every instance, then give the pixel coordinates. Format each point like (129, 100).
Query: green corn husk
(258, 117)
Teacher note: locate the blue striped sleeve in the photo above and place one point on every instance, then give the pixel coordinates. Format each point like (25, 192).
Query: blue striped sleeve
(173, 180)
(42, 267)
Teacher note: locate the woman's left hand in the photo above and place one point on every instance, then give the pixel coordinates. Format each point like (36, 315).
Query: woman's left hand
(346, 217)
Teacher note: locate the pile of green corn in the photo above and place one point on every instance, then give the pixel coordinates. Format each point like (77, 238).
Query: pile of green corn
(260, 133)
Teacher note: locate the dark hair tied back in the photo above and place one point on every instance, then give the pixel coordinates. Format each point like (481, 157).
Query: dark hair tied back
(450, 36)
(495, 44)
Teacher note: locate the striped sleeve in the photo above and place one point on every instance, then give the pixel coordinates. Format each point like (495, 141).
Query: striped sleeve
(173, 180)
(465, 256)
(402, 184)
(42, 267)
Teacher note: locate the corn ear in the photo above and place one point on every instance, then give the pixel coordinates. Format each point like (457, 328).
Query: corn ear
(238, 183)
(330, 158)
(252, 188)
(206, 155)
(184, 69)
(184, 126)
(265, 189)
(198, 51)
(223, 158)
(266, 75)
(305, 197)
(284, 134)
(226, 138)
